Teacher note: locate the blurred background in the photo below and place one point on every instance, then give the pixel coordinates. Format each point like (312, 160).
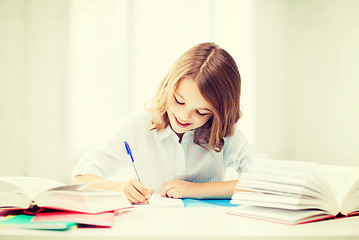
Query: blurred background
(69, 69)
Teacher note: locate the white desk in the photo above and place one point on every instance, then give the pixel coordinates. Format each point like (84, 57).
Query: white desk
(194, 223)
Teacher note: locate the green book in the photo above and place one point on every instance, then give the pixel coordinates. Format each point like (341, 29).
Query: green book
(24, 221)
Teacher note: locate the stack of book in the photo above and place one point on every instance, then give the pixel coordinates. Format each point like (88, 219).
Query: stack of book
(38, 203)
(293, 192)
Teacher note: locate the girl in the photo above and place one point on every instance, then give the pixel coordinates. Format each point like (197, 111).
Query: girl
(184, 146)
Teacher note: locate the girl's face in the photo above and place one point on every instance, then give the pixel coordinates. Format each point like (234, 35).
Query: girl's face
(187, 109)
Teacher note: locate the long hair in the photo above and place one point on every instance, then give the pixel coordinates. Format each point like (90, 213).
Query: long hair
(216, 74)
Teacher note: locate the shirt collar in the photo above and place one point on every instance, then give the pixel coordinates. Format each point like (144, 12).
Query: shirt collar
(165, 133)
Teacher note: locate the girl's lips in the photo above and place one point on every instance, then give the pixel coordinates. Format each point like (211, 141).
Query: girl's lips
(181, 124)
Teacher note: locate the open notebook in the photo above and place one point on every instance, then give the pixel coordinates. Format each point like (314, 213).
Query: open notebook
(157, 201)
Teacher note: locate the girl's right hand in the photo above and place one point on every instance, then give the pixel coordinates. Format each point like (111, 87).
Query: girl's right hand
(136, 192)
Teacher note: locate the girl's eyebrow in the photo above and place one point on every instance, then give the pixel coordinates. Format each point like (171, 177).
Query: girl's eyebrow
(205, 109)
(202, 109)
(179, 95)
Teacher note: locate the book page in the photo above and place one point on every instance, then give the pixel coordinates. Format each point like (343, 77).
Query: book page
(284, 170)
(157, 200)
(30, 186)
(351, 203)
(71, 187)
(284, 184)
(285, 178)
(340, 180)
(278, 215)
(89, 201)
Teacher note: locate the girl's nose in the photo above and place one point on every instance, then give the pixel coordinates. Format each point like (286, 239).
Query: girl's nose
(185, 115)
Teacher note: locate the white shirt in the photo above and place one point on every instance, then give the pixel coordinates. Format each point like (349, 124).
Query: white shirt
(159, 157)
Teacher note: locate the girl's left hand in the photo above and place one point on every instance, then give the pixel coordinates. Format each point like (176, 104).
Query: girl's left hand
(178, 189)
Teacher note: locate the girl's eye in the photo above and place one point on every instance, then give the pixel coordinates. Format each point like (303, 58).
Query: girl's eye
(181, 103)
(202, 114)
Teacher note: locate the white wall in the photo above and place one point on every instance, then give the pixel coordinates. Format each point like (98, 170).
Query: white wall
(98, 77)
(270, 67)
(69, 69)
(322, 80)
(307, 55)
(12, 88)
(33, 57)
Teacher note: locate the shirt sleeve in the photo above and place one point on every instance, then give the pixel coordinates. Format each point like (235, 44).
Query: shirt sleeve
(239, 153)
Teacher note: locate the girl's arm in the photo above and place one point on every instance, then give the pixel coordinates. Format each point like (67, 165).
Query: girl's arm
(135, 191)
(184, 189)
(98, 182)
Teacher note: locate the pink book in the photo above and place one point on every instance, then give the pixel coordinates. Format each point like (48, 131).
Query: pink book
(104, 219)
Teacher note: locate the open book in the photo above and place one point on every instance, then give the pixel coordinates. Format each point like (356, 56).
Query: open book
(297, 192)
(31, 193)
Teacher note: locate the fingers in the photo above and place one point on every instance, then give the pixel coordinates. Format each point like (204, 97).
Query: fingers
(172, 189)
(174, 193)
(165, 188)
(177, 189)
(149, 193)
(134, 196)
(136, 192)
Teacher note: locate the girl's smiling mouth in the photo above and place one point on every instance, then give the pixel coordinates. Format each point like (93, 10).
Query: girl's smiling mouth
(182, 125)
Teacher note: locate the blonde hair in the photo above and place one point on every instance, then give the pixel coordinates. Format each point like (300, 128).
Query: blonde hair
(217, 77)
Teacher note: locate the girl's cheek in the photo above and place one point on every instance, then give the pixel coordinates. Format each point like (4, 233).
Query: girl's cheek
(204, 120)
(171, 108)
(200, 121)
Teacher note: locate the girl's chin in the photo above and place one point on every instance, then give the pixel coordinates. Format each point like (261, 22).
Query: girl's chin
(178, 130)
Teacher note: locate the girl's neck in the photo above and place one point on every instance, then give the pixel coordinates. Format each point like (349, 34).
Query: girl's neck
(180, 136)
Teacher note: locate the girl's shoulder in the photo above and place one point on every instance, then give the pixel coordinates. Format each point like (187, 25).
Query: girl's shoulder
(236, 137)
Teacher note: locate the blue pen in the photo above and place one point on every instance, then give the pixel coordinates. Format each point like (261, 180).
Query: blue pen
(129, 152)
